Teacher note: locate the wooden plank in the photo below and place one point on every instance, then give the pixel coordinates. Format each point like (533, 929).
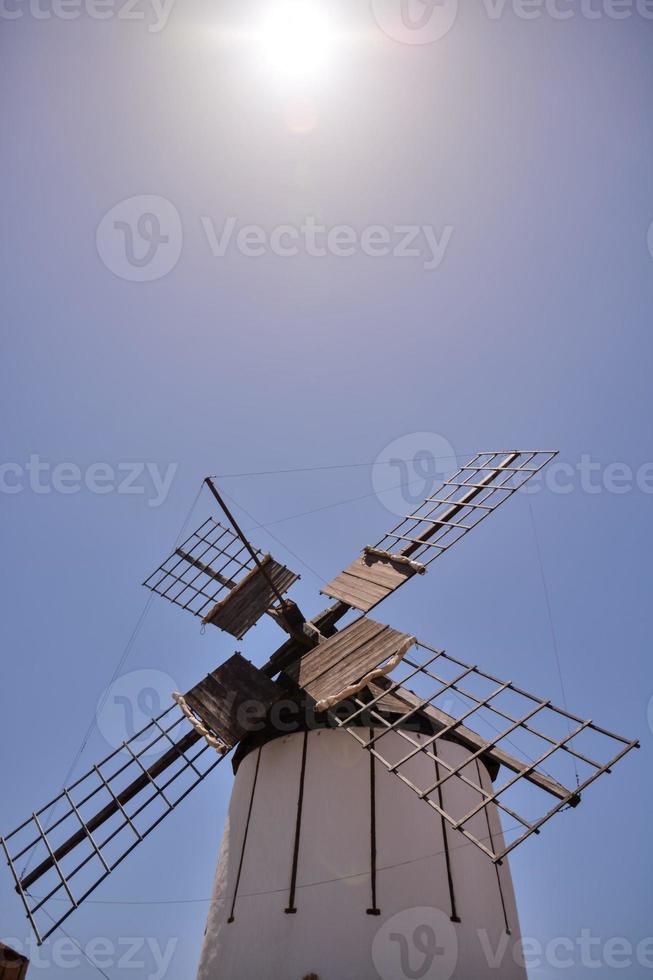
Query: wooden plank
(327, 654)
(355, 592)
(219, 698)
(473, 741)
(367, 581)
(203, 567)
(354, 665)
(13, 966)
(364, 588)
(388, 702)
(345, 658)
(380, 571)
(208, 698)
(334, 592)
(244, 605)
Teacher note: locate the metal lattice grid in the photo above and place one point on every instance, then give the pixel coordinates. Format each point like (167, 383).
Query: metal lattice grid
(539, 749)
(460, 503)
(205, 568)
(80, 837)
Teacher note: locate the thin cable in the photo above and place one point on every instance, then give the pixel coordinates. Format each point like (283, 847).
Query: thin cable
(554, 638)
(279, 891)
(327, 466)
(79, 947)
(275, 538)
(340, 503)
(116, 673)
(337, 503)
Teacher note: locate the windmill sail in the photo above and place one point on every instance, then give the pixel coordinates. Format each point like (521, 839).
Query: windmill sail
(341, 661)
(442, 519)
(214, 576)
(74, 842)
(545, 752)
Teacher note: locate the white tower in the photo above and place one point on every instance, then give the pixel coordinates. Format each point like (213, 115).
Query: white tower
(329, 868)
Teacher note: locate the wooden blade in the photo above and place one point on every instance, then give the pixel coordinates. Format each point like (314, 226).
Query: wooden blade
(347, 658)
(82, 835)
(532, 749)
(443, 518)
(220, 579)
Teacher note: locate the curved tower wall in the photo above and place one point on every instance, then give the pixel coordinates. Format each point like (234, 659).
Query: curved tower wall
(330, 867)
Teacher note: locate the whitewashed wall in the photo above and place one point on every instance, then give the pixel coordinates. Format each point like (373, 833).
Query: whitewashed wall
(331, 935)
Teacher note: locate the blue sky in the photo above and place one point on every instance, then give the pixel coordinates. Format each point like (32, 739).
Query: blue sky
(530, 141)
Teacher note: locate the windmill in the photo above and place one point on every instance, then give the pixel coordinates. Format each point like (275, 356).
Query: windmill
(380, 782)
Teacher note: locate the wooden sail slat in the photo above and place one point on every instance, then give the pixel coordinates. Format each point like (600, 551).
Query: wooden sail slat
(251, 598)
(347, 657)
(219, 698)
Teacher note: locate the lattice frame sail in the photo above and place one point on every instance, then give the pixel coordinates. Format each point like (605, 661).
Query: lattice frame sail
(526, 735)
(213, 575)
(473, 492)
(458, 505)
(86, 831)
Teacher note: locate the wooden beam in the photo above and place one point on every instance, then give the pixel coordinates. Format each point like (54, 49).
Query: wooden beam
(473, 741)
(13, 966)
(114, 806)
(485, 483)
(203, 567)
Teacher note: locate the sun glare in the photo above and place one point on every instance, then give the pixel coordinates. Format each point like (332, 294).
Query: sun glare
(296, 39)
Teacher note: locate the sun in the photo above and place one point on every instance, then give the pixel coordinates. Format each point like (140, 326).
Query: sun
(296, 39)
